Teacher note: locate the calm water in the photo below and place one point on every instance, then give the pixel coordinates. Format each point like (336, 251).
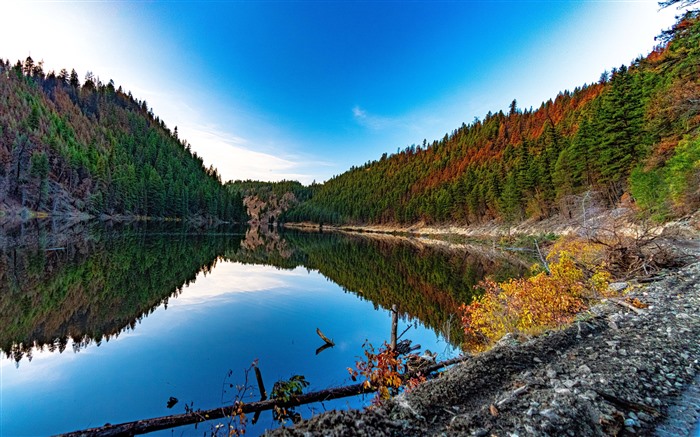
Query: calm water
(104, 325)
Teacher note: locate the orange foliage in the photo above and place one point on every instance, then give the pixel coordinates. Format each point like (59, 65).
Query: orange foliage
(379, 369)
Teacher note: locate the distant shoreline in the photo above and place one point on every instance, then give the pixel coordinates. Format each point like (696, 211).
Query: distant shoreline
(555, 225)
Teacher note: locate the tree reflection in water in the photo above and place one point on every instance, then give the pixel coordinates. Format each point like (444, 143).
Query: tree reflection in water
(84, 283)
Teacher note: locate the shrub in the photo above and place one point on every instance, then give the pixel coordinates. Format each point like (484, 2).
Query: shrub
(528, 306)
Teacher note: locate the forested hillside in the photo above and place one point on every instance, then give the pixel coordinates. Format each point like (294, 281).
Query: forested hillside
(67, 148)
(633, 135)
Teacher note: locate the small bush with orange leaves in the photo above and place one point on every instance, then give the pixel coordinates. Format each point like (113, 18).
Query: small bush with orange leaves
(379, 369)
(528, 306)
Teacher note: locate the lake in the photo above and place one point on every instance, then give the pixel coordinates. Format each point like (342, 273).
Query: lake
(104, 324)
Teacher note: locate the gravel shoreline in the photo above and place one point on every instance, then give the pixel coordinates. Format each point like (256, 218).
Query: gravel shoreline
(613, 372)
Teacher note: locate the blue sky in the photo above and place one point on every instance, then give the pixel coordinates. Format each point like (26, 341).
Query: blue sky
(305, 89)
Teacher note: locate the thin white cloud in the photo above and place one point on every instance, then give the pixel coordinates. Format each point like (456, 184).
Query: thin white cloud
(359, 113)
(235, 157)
(375, 122)
(413, 122)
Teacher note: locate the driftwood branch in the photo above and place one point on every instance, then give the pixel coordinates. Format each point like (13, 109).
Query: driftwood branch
(167, 422)
(261, 385)
(630, 405)
(649, 279)
(263, 392)
(324, 338)
(622, 303)
(543, 259)
(327, 342)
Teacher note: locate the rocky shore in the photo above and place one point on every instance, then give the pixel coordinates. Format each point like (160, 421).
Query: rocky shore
(616, 371)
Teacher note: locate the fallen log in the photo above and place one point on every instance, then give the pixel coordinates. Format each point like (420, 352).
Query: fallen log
(159, 423)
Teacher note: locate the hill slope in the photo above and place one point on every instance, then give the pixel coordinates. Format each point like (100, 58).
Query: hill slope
(634, 133)
(68, 148)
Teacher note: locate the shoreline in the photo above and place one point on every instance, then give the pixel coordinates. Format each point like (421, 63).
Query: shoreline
(615, 370)
(619, 220)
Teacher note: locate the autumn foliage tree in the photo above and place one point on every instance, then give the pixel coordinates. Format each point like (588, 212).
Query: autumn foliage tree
(638, 124)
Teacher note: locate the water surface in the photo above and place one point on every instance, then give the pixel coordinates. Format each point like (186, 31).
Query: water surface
(105, 325)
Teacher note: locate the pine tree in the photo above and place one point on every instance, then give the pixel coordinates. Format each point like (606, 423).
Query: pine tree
(74, 80)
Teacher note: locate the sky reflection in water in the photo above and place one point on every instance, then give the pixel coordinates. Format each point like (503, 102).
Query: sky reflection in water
(224, 320)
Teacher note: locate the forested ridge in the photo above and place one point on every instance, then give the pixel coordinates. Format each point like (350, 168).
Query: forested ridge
(634, 135)
(68, 147)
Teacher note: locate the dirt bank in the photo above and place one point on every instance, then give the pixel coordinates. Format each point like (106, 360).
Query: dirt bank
(614, 372)
(596, 220)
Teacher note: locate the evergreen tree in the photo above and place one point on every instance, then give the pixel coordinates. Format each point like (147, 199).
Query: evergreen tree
(74, 80)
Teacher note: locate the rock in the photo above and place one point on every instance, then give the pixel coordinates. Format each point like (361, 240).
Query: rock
(644, 416)
(506, 340)
(550, 414)
(617, 287)
(520, 390)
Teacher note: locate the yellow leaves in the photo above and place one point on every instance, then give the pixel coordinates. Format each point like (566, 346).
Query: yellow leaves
(588, 255)
(531, 305)
(600, 282)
